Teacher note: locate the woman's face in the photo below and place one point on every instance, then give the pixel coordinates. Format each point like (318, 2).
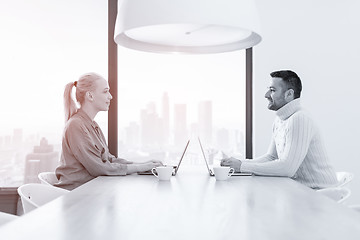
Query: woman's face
(101, 95)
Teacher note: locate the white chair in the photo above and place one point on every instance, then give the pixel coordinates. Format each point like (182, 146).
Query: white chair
(339, 194)
(34, 195)
(344, 178)
(48, 178)
(6, 217)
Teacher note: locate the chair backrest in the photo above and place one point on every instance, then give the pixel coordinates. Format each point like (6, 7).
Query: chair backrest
(339, 194)
(48, 178)
(34, 195)
(344, 178)
(6, 217)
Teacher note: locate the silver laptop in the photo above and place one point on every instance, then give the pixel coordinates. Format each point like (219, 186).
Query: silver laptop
(176, 168)
(211, 171)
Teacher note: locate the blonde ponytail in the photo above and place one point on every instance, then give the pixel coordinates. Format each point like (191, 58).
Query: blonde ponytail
(69, 104)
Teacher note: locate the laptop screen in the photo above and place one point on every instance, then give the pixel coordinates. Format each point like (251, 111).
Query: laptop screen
(182, 156)
(203, 153)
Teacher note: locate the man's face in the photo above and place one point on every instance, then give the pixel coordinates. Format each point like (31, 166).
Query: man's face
(276, 94)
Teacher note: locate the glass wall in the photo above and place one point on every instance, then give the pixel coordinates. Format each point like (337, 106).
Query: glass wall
(166, 99)
(44, 45)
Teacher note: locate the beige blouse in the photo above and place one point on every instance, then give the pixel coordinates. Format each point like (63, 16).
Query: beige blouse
(85, 154)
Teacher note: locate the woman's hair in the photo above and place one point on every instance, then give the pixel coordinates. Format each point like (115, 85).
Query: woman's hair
(85, 83)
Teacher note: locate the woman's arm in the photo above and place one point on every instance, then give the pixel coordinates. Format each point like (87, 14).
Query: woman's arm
(92, 157)
(142, 167)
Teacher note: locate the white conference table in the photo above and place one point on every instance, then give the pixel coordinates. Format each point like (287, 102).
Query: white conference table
(192, 205)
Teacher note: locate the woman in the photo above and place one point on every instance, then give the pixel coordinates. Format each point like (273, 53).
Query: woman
(85, 154)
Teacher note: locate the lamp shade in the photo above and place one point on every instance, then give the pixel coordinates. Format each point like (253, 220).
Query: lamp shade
(187, 26)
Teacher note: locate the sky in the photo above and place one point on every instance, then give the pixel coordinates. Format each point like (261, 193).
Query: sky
(46, 44)
(188, 79)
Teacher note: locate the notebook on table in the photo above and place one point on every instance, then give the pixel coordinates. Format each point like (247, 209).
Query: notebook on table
(176, 168)
(211, 171)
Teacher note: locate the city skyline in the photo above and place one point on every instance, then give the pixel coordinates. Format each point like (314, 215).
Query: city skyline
(170, 126)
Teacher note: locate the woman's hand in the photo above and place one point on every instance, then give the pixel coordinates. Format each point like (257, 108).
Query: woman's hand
(146, 166)
(142, 167)
(154, 161)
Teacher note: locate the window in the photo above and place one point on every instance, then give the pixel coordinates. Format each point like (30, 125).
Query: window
(165, 99)
(44, 45)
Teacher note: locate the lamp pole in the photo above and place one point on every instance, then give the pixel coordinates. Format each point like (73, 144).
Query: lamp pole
(249, 104)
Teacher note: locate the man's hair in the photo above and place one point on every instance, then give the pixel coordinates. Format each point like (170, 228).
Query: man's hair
(291, 79)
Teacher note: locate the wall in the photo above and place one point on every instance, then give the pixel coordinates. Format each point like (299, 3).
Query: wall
(320, 41)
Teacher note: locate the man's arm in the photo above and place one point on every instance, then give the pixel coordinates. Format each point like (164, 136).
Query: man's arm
(269, 156)
(236, 163)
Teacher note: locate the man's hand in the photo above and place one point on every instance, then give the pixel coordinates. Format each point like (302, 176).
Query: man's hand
(231, 162)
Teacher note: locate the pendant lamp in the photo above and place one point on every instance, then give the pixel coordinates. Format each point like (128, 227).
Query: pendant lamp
(187, 26)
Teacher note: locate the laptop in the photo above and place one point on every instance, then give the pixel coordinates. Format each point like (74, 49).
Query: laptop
(176, 168)
(211, 171)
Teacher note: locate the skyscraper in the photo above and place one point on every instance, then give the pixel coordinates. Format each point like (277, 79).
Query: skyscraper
(150, 125)
(17, 137)
(165, 118)
(222, 139)
(205, 121)
(132, 135)
(180, 130)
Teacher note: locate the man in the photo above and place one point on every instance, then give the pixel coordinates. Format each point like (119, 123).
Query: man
(296, 149)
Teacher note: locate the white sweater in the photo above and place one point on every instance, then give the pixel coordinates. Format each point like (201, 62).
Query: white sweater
(296, 150)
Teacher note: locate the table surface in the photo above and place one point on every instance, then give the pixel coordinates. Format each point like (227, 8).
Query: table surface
(192, 205)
